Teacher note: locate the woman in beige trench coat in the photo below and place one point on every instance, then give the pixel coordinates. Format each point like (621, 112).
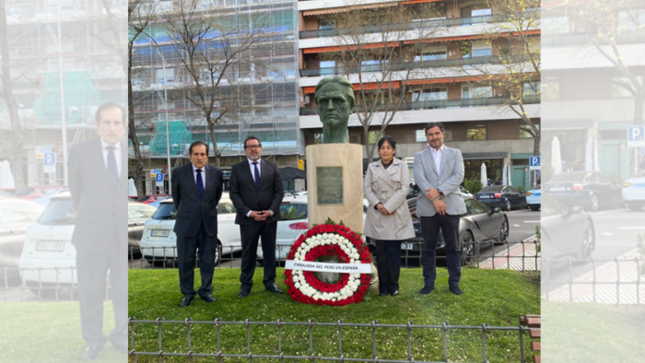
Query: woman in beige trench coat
(388, 221)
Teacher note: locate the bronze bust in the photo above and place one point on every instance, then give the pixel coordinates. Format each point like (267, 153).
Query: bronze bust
(335, 99)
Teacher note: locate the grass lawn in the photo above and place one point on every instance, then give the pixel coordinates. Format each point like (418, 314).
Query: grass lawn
(48, 332)
(495, 297)
(590, 332)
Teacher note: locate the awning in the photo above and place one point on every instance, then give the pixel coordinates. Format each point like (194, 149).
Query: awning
(357, 87)
(446, 80)
(348, 8)
(469, 37)
(487, 155)
(418, 1)
(352, 47)
(290, 173)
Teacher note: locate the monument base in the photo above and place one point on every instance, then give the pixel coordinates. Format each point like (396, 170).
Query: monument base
(335, 184)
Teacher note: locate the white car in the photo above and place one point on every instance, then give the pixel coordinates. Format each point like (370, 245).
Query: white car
(293, 223)
(634, 191)
(159, 242)
(48, 258)
(465, 193)
(534, 198)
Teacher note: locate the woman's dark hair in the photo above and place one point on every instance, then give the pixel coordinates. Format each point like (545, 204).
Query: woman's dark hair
(389, 140)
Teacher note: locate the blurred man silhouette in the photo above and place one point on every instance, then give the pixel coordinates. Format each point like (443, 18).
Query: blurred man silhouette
(98, 171)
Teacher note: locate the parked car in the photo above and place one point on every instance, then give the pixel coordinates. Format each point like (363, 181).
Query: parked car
(151, 199)
(7, 192)
(44, 201)
(48, 243)
(293, 223)
(634, 191)
(533, 198)
(31, 193)
(505, 197)
(159, 241)
(566, 231)
(480, 224)
(590, 189)
(464, 192)
(15, 218)
(138, 214)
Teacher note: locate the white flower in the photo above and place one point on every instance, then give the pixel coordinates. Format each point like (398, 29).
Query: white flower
(297, 285)
(355, 255)
(354, 288)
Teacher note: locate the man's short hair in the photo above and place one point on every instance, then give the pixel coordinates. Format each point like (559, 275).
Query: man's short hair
(197, 143)
(109, 106)
(341, 81)
(430, 125)
(252, 138)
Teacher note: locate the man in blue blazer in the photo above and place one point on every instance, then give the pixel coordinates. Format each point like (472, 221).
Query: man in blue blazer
(438, 171)
(196, 190)
(256, 191)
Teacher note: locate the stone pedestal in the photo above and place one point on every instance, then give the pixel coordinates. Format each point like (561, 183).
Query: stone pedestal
(335, 184)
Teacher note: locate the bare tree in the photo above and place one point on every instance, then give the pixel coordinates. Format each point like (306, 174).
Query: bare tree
(216, 47)
(380, 59)
(17, 139)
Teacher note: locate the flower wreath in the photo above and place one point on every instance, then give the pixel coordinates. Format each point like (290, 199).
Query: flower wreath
(328, 240)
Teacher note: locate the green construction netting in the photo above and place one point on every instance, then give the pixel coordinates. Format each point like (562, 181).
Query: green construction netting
(180, 138)
(80, 97)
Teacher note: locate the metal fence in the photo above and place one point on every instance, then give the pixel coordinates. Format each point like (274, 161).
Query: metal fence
(609, 281)
(280, 324)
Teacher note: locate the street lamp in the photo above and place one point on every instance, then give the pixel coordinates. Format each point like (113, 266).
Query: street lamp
(165, 92)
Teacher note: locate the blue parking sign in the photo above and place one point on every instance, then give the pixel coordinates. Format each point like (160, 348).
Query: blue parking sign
(159, 180)
(534, 162)
(49, 162)
(636, 136)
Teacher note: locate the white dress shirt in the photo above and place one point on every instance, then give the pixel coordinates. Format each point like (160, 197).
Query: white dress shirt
(253, 167)
(437, 155)
(117, 155)
(203, 175)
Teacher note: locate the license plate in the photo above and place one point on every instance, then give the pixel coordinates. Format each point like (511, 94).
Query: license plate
(484, 197)
(557, 189)
(537, 194)
(407, 246)
(640, 185)
(50, 246)
(159, 233)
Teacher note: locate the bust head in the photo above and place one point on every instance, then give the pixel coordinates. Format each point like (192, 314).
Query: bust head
(335, 99)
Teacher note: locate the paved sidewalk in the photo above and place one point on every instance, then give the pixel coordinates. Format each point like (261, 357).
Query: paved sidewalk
(521, 257)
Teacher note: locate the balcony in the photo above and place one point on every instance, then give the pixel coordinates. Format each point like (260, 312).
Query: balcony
(428, 24)
(426, 105)
(313, 72)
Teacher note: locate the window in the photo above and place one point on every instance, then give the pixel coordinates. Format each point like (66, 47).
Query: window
(140, 211)
(631, 19)
(531, 89)
(476, 207)
(481, 12)
(324, 24)
(373, 137)
(476, 92)
(327, 64)
(481, 50)
(431, 94)
(623, 87)
(317, 138)
(551, 89)
(526, 131)
(290, 212)
(421, 136)
(476, 133)
(170, 75)
(432, 53)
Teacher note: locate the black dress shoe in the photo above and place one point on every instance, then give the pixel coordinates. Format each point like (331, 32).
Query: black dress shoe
(426, 290)
(209, 298)
(243, 294)
(383, 294)
(91, 352)
(395, 292)
(274, 288)
(186, 301)
(456, 290)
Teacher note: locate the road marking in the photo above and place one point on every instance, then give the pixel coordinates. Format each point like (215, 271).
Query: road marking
(635, 227)
(531, 221)
(607, 234)
(516, 225)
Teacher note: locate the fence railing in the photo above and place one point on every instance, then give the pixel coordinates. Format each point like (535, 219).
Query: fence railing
(220, 353)
(609, 281)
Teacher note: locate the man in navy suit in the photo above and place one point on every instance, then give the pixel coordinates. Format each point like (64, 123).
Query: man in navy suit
(196, 190)
(256, 191)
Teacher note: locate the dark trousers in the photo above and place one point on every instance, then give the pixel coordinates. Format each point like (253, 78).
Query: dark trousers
(388, 264)
(92, 270)
(250, 234)
(450, 229)
(187, 248)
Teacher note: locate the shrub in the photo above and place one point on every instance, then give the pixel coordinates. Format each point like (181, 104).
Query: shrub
(473, 185)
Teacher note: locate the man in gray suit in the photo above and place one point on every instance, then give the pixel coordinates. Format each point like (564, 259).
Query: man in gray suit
(196, 190)
(438, 171)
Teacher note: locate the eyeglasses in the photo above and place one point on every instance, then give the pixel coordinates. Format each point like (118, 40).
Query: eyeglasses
(253, 147)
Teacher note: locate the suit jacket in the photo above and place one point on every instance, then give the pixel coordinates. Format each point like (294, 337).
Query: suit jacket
(101, 211)
(452, 174)
(247, 198)
(191, 208)
(389, 187)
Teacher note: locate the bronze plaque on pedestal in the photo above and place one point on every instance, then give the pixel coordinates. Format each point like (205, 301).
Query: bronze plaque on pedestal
(329, 180)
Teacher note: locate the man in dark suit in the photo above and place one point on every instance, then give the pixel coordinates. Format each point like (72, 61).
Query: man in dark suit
(196, 190)
(256, 191)
(97, 174)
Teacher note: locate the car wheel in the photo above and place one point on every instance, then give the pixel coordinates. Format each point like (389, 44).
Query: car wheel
(503, 231)
(467, 248)
(588, 242)
(508, 205)
(218, 253)
(634, 207)
(593, 203)
(534, 207)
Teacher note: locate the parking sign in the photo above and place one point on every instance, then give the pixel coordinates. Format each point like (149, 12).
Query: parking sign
(636, 136)
(159, 180)
(534, 162)
(49, 162)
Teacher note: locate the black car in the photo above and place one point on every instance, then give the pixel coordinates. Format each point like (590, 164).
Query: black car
(505, 197)
(566, 231)
(480, 224)
(591, 190)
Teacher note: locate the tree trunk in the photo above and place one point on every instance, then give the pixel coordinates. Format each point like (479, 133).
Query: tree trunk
(366, 137)
(132, 134)
(211, 128)
(17, 138)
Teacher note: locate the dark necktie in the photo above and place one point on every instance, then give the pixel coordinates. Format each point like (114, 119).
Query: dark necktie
(200, 183)
(257, 175)
(111, 167)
